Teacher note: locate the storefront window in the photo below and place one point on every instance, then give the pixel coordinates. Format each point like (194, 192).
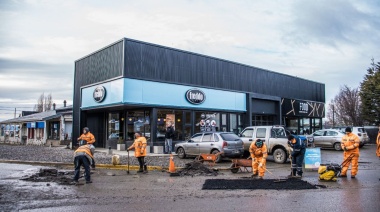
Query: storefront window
(292, 125)
(233, 124)
(207, 121)
(138, 121)
(54, 131)
(113, 126)
(305, 126)
(173, 118)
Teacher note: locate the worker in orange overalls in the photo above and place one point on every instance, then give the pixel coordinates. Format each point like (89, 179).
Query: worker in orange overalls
(89, 138)
(259, 154)
(378, 143)
(140, 151)
(350, 145)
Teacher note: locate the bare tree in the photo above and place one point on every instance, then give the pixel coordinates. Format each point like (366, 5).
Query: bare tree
(345, 109)
(48, 102)
(44, 103)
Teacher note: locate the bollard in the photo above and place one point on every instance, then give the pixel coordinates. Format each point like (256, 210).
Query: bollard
(109, 150)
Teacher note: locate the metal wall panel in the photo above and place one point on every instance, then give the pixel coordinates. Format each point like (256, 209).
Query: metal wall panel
(102, 65)
(158, 63)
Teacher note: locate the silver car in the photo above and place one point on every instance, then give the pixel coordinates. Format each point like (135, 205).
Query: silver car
(227, 143)
(327, 138)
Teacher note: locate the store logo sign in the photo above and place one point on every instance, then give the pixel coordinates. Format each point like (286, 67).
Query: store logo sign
(99, 94)
(304, 107)
(195, 96)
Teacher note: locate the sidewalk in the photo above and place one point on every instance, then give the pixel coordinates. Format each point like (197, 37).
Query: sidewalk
(131, 153)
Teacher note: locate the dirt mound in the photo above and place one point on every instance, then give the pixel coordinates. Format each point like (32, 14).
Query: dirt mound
(197, 168)
(51, 175)
(289, 184)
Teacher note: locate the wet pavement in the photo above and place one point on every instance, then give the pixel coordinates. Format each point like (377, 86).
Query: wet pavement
(115, 190)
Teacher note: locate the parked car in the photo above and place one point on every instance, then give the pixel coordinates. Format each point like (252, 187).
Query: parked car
(360, 132)
(327, 138)
(227, 143)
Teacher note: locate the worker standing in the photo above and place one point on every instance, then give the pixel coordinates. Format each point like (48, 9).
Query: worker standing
(350, 145)
(139, 145)
(89, 138)
(297, 155)
(259, 154)
(82, 157)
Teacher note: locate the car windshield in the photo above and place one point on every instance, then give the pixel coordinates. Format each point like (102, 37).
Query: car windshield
(229, 136)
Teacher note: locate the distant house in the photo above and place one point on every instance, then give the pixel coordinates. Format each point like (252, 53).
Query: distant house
(52, 127)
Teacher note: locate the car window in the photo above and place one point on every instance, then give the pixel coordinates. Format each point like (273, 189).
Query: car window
(196, 137)
(318, 133)
(278, 132)
(331, 133)
(261, 132)
(216, 138)
(229, 136)
(247, 133)
(207, 137)
(361, 130)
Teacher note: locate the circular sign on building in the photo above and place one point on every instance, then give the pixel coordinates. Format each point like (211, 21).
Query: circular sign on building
(195, 96)
(99, 93)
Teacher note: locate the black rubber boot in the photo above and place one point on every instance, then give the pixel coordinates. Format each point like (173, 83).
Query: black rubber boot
(145, 169)
(140, 170)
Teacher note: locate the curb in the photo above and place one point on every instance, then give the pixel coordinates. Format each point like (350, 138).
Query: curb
(101, 166)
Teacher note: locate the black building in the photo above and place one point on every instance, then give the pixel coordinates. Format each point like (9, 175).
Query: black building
(133, 86)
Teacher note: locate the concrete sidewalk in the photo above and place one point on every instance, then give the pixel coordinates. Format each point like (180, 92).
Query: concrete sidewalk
(131, 153)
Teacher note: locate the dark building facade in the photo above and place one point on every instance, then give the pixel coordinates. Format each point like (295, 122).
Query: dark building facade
(133, 86)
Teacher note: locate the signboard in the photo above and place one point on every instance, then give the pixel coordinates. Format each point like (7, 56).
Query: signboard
(195, 96)
(99, 94)
(312, 158)
(292, 107)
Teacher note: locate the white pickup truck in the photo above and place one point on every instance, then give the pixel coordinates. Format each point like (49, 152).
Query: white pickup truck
(275, 138)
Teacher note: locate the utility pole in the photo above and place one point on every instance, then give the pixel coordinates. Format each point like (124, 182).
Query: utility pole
(333, 116)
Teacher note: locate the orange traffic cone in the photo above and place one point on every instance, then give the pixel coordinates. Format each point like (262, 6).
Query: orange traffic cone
(171, 164)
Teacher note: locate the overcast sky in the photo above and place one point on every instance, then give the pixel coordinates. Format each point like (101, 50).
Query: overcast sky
(328, 41)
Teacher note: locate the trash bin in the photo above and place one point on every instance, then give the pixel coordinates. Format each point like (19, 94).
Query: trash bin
(23, 139)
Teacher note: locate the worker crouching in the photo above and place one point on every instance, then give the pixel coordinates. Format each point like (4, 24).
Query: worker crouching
(82, 157)
(259, 154)
(350, 145)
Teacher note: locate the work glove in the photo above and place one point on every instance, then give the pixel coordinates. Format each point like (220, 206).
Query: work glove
(260, 165)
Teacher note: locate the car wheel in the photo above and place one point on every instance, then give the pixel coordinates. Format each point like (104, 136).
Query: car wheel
(337, 146)
(181, 153)
(279, 155)
(219, 157)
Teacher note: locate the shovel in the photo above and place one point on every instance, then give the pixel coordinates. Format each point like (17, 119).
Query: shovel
(277, 180)
(128, 163)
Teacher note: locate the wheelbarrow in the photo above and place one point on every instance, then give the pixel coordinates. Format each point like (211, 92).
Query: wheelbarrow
(240, 165)
(211, 158)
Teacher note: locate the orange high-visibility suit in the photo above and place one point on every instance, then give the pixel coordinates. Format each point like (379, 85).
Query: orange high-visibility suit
(350, 145)
(259, 158)
(378, 145)
(140, 147)
(89, 137)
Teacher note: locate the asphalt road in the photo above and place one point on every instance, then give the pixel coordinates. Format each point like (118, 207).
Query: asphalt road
(115, 190)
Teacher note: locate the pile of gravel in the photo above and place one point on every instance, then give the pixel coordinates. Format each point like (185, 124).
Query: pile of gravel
(197, 168)
(51, 175)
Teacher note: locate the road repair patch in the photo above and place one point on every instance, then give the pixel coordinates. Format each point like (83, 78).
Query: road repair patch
(51, 175)
(289, 184)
